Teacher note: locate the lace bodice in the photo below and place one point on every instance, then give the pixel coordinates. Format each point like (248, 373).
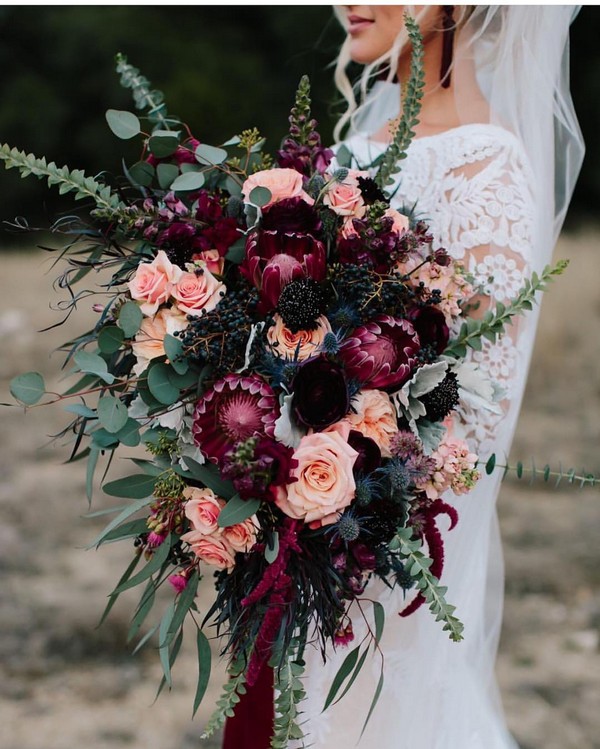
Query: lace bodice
(472, 186)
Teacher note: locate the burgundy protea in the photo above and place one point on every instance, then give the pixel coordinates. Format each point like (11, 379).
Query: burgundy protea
(233, 410)
(431, 327)
(382, 353)
(274, 258)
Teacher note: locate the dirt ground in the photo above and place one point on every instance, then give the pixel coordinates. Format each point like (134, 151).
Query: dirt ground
(65, 684)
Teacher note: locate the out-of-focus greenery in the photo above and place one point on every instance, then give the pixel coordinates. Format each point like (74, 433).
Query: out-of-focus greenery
(223, 68)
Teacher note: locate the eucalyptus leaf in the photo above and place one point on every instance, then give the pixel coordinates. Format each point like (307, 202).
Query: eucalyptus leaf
(112, 414)
(161, 386)
(142, 173)
(113, 596)
(166, 173)
(237, 510)
(272, 548)
(130, 318)
(110, 339)
(209, 475)
(163, 146)
(210, 155)
(125, 125)
(188, 181)
(174, 351)
(204, 667)
(92, 461)
(129, 434)
(343, 156)
(260, 196)
(93, 364)
(103, 439)
(28, 387)
(342, 674)
(237, 251)
(127, 512)
(80, 409)
(159, 557)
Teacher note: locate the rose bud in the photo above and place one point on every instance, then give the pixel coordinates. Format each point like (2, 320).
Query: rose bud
(382, 353)
(320, 393)
(430, 324)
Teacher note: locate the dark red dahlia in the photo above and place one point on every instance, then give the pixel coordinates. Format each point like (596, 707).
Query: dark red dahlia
(382, 353)
(321, 394)
(233, 410)
(274, 259)
(430, 324)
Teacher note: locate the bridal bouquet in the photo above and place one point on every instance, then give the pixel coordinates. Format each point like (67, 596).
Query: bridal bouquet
(288, 352)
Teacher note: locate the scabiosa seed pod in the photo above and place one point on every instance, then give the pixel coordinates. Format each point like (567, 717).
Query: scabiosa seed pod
(301, 303)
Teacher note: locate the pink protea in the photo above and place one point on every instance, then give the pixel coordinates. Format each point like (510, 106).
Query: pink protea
(382, 354)
(274, 258)
(234, 409)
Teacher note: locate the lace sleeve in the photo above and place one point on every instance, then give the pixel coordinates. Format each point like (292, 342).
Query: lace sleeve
(484, 217)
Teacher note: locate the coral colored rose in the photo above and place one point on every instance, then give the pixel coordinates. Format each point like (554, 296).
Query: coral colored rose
(241, 536)
(400, 221)
(212, 260)
(324, 483)
(153, 282)
(197, 291)
(345, 198)
(281, 183)
(298, 345)
(149, 340)
(213, 550)
(375, 418)
(202, 509)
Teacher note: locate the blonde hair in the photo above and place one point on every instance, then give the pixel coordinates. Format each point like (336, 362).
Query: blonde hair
(385, 65)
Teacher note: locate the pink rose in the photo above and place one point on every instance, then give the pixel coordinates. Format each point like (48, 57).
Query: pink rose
(375, 418)
(345, 198)
(323, 484)
(149, 340)
(281, 183)
(302, 344)
(202, 509)
(242, 536)
(211, 549)
(401, 222)
(197, 291)
(153, 282)
(211, 260)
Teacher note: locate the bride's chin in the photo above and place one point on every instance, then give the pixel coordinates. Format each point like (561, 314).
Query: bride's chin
(362, 51)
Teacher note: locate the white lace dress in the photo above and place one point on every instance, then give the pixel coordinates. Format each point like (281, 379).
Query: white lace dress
(471, 184)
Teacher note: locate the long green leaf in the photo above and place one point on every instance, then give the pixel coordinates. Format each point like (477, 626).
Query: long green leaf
(113, 596)
(379, 616)
(136, 486)
(164, 639)
(185, 601)
(143, 609)
(374, 702)
(126, 513)
(355, 673)
(204, 667)
(237, 510)
(158, 559)
(208, 474)
(343, 672)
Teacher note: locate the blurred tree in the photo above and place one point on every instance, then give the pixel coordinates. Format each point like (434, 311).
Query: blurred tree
(221, 71)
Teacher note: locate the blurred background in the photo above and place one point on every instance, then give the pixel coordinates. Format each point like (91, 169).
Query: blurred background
(63, 682)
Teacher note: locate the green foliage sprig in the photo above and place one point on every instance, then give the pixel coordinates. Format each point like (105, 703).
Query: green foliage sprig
(545, 474)
(67, 181)
(143, 96)
(228, 699)
(495, 321)
(412, 95)
(290, 693)
(418, 564)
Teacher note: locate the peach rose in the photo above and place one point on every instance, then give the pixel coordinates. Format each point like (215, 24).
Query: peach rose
(241, 536)
(202, 509)
(152, 282)
(149, 340)
(401, 222)
(375, 417)
(281, 183)
(211, 549)
(305, 342)
(197, 291)
(324, 483)
(345, 198)
(211, 260)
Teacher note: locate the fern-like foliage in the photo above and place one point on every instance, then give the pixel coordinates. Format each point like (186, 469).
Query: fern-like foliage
(144, 97)
(61, 177)
(495, 321)
(230, 697)
(545, 474)
(411, 106)
(418, 564)
(290, 693)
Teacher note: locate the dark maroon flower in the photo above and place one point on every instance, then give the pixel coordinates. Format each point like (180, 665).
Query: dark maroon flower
(256, 465)
(369, 454)
(218, 232)
(234, 409)
(305, 158)
(382, 353)
(379, 248)
(320, 393)
(293, 215)
(273, 259)
(430, 324)
(185, 154)
(363, 556)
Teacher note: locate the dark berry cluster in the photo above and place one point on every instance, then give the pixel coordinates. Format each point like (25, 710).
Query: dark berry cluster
(219, 337)
(369, 293)
(443, 399)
